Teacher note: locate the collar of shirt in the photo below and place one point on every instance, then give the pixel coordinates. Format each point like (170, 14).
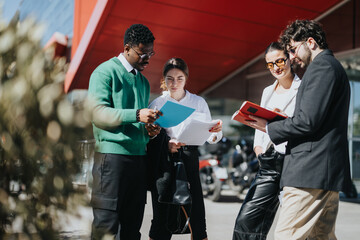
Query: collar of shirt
(125, 63)
(167, 96)
(294, 85)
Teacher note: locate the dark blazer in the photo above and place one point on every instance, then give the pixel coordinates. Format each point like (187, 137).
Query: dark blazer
(317, 150)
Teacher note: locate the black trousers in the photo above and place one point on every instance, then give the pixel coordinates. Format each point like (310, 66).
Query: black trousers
(258, 210)
(158, 230)
(118, 195)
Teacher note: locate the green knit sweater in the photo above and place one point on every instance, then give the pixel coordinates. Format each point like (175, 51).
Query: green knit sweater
(115, 95)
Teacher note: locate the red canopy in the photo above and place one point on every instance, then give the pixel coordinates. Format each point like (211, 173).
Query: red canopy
(214, 37)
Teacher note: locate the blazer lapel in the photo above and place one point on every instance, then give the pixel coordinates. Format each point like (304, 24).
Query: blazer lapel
(292, 91)
(269, 94)
(294, 87)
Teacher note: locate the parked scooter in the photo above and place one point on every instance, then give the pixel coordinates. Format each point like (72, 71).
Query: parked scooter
(243, 166)
(212, 173)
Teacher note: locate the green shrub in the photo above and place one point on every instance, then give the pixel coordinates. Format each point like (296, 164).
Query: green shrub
(39, 134)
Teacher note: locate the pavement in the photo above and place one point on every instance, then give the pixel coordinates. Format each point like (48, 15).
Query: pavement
(220, 219)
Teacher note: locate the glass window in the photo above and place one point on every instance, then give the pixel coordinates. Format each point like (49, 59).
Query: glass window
(355, 93)
(354, 124)
(356, 159)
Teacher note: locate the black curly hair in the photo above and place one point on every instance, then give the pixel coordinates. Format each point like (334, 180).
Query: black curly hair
(301, 30)
(138, 33)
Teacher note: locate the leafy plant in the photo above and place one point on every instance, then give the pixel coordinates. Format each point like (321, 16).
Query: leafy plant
(39, 134)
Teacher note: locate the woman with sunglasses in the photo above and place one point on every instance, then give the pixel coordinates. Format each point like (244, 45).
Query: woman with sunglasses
(175, 77)
(261, 202)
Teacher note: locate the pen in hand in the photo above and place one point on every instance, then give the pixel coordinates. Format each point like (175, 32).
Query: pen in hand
(155, 109)
(156, 115)
(152, 128)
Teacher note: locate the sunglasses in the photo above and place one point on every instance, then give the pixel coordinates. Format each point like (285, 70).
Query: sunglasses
(295, 49)
(145, 55)
(278, 62)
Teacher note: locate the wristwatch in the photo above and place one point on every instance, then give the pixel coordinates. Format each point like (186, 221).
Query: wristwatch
(138, 115)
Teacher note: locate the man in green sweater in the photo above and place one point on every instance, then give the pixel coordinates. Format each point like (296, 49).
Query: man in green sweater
(120, 96)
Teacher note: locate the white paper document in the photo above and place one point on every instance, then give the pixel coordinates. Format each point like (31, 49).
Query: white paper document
(195, 133)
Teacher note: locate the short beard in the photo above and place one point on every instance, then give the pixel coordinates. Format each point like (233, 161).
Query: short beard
(298, 69)
(295, 66)
(307, 57)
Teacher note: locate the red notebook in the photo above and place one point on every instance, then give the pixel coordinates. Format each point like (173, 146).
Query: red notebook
(249, 108)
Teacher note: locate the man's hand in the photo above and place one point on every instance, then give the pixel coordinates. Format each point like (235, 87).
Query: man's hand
(257, 123)
(152, 129)
(149, 115)
(174, 145)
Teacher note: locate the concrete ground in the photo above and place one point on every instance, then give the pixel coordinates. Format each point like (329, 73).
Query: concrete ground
(220, 217)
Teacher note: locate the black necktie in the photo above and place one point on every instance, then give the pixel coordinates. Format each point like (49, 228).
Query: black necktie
(133, 71)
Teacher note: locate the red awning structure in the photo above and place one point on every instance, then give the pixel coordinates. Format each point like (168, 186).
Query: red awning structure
(59, 42)
(214, 37)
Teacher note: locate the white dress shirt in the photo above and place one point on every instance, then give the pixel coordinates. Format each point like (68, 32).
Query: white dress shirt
(125, 63)
(202, 112)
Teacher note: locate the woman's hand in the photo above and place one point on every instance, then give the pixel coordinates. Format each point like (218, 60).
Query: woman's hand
(174, 145)
(279, 111)
(217, 127)
(258, 150)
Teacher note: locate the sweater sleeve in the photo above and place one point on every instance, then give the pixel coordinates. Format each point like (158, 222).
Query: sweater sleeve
(104, 115)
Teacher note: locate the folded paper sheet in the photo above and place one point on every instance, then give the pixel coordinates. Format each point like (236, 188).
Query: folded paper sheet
(196, 133)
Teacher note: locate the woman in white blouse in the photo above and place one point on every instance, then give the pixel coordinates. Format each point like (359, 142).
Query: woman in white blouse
(175, 77)
(259, 207)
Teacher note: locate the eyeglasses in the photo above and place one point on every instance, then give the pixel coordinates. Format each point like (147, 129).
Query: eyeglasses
(294, 50)
(145, 55)
(278, 62)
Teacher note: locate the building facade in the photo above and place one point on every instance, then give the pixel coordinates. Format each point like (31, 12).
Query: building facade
(342, 25)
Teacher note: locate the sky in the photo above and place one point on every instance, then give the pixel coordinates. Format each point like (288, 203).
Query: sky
(9, 8)
(54, 15)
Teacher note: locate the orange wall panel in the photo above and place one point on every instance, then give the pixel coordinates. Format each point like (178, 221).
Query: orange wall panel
(82, 13)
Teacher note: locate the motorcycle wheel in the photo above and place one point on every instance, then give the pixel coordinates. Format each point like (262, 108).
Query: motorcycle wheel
(216, 195)
(205, 184)
(211, 186)
(238, 188)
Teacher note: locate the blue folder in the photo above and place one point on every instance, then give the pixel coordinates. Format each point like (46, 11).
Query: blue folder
(173, 114)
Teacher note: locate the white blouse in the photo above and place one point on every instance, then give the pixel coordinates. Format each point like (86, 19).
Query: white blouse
(285, 102)
(202, 112)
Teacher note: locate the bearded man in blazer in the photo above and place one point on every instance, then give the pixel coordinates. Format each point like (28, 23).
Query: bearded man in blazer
(316, 165)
